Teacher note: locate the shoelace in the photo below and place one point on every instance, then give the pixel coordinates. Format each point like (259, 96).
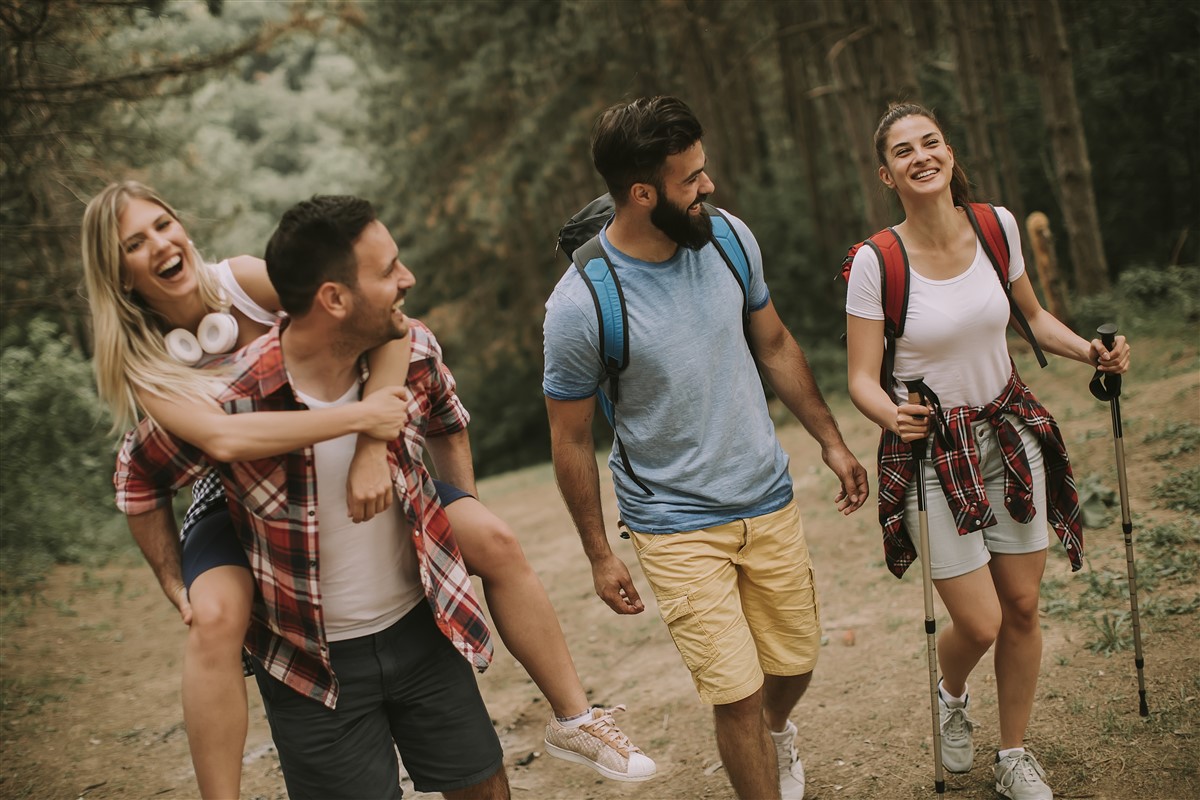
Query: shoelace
(605, 729)
(957, 723)
(1026, 769)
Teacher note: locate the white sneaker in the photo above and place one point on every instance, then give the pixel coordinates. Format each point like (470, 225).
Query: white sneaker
(791, 771)
(958, 748)
(1020, 777)
(601, 745)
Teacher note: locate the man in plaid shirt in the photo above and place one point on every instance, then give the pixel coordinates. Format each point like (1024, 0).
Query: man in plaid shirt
(363, 637)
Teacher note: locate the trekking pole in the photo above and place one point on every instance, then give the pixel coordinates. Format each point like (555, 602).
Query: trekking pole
(916, 395)
(1107, 387)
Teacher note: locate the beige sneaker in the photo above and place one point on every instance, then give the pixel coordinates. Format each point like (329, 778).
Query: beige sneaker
(601, 745)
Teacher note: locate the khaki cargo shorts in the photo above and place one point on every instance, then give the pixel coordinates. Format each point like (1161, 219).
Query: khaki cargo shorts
(739, 600)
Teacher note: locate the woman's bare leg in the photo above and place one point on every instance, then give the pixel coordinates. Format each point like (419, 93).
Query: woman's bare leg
(518, 603)
(1018, 656)
(214, 688)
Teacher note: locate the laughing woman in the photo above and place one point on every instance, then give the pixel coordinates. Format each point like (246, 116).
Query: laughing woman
(988, 554)
(158, 310)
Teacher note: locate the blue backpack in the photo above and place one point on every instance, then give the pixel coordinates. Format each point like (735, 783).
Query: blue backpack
(579, 240)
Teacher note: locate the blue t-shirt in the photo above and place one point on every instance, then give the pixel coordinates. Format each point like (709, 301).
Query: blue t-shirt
(692, 414)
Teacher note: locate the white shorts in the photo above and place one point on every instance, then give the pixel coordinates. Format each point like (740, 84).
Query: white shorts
(952, 555)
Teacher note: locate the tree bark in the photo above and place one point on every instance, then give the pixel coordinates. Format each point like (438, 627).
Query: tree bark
(1051, 57)
(970, 57)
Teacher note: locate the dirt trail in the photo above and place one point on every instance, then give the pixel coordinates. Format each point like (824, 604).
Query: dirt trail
(91, 669)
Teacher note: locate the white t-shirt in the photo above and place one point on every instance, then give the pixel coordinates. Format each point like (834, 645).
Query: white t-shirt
(367, 570)
(954, 332)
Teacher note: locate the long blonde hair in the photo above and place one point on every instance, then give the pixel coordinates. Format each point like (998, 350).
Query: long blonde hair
(129, 350)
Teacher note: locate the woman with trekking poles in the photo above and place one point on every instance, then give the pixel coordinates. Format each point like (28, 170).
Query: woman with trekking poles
(159, 312)
(927, 308)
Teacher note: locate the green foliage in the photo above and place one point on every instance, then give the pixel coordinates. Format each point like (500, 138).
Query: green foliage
(55, 460)
(1160, 301)
(1181, 491)
(1112, 634)
(1181, 437)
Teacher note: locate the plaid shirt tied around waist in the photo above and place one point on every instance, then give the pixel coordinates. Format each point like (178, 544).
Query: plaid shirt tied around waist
(960, 479)
(273, 506)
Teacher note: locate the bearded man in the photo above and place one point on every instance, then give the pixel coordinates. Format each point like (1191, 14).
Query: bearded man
(702, 482)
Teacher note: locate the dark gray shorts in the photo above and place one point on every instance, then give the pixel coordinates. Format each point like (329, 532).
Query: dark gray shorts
(406, 685)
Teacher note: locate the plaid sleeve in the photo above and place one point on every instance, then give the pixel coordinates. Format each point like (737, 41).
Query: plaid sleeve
(447, 414)
(151, 467)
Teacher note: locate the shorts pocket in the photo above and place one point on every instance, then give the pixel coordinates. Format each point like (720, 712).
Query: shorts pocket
(687, 629)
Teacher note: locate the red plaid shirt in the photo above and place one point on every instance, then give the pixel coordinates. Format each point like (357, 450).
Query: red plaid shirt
(961, 482)
(273, 505)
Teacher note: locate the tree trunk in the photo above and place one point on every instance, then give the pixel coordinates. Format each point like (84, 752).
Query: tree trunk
(853, 103)
(997, 42)
(801, 112)
(1051, 58)
(970, 57)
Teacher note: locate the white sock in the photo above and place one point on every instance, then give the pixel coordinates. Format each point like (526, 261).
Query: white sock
(575, 721)
(1012, 751)
(949, 698)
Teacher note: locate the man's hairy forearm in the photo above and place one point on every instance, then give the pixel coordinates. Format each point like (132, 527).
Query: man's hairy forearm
(158, 537)
(579, 483)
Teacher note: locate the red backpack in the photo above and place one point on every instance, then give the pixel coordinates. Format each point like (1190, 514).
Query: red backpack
(893, 279)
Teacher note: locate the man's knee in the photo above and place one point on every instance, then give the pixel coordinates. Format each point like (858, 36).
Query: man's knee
(493, 787)
(748, 708)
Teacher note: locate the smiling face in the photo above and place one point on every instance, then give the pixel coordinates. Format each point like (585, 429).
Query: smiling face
(917, 160)
(682, 188)
(383, 282)
(155, 256)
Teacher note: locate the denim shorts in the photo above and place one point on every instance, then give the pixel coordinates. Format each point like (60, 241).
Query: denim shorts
(950, 554)
(211, 541)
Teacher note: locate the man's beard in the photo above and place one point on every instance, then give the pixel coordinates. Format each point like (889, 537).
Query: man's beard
(365, 330)
(680, 226)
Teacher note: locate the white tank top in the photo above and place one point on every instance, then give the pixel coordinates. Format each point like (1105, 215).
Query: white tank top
(368, 570)
(242, 301)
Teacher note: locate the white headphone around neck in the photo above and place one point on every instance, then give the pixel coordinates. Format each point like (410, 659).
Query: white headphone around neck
(218, 333)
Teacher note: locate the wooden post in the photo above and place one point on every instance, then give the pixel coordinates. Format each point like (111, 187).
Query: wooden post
(1054, 289)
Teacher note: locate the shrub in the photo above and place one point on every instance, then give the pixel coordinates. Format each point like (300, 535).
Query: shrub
(56, 459)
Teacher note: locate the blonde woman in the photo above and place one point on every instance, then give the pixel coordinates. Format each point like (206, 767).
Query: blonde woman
(150, 294)
(146, 282)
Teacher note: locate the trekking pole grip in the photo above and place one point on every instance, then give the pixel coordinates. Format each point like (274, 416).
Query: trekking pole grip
(1108, 334)
(1106, 386)
(916, 397)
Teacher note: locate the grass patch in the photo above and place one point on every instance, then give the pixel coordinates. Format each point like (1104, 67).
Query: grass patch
(1181, 491)
(1113, 636)
(1181, 437)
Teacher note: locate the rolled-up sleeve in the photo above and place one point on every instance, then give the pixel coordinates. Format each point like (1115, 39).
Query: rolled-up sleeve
(151, 467)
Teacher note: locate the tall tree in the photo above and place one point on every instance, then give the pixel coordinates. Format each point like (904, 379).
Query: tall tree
(69, 69)
(1050, 55)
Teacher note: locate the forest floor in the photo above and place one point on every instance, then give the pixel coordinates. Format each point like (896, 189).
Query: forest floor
(91, 663)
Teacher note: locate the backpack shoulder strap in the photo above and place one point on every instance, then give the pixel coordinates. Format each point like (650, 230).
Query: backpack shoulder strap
(893, 279)
(986, 222)
(601, 279)
(592, 263)
(729, 245)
